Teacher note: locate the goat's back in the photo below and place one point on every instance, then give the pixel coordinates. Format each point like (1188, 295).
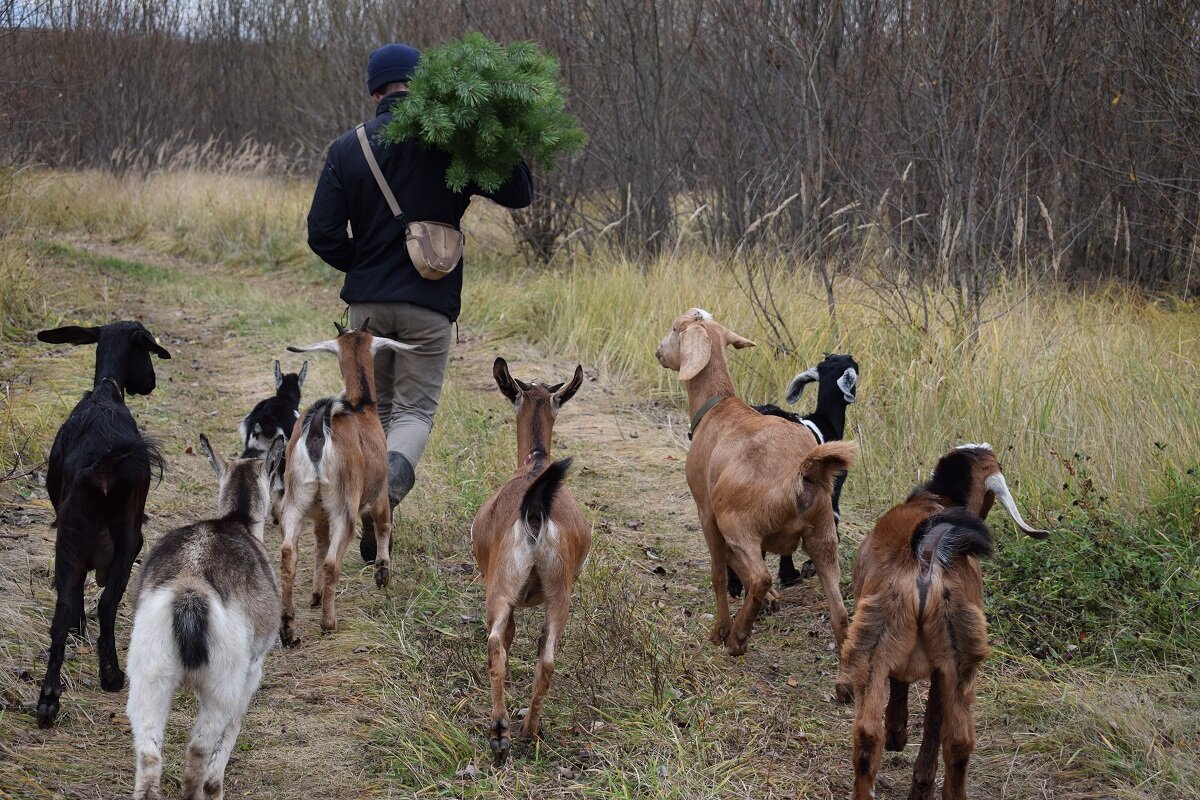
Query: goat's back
(341, 449)
(502, 541)
(222, 558)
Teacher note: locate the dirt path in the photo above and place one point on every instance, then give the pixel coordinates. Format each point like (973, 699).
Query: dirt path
(394, 704)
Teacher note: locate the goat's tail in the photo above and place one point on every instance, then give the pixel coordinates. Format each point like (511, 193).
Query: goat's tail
(189, 621)
(538, 501)
(126, 463)
(943, 539)
(316, 427)
(820, 466)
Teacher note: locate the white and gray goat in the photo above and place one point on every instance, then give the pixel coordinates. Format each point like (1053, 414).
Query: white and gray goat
(207, 612)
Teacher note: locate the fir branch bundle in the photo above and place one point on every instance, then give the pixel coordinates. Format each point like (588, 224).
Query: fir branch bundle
(487, 105)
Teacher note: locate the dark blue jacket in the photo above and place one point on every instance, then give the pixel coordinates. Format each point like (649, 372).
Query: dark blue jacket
(375, 259)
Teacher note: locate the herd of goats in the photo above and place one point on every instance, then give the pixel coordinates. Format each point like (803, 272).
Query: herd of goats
(208, 606)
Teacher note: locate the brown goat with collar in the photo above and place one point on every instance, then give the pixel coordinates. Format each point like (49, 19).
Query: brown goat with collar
(760, 483)
(336, 472)
(530, 541)
(919, 613)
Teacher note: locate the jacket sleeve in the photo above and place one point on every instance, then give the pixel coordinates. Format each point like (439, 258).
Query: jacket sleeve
(517, 191)
(327, 218)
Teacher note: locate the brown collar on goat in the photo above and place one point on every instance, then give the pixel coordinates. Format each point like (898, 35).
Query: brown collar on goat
(709, 404)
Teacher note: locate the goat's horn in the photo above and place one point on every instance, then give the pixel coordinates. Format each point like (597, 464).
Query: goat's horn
(999, 487)
(339, 327)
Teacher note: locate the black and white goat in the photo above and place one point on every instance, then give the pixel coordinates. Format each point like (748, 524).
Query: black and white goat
(274, 416)
(98, 479)
(837, 383)
(206, 612)
(270, 418)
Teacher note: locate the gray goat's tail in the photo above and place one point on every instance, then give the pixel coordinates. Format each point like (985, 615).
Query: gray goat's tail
(189, 620)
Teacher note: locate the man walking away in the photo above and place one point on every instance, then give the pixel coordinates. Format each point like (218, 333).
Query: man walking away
(382, 286)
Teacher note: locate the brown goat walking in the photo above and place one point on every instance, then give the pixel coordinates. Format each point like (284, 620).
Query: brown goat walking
(760, 482)
(530, 541)
(919, 613)
(336, 471)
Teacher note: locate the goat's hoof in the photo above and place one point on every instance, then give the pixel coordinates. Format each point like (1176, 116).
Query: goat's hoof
(47, 710)
(719, 634)
(531, 728)
(807, 570)
(895, 741)
(112, 681)
(287, 636)
(843, 693)
(315, 601)
(382, 576)
(500, 742)
(737, 644)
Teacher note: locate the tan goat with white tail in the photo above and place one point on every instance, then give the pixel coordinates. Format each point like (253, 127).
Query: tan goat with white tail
(531, 542)
(336, 472)
(760, 483)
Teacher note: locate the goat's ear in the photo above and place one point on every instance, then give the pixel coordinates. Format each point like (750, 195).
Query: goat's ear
(217, 463)
(146, 341)
(278, 375)
(71, 334)
(561, 396)
(695, 349)
(274, 454)
(381, 342)
(796, 387)
(737, 341)
(508, 385)
(328, 346)
(303, 373)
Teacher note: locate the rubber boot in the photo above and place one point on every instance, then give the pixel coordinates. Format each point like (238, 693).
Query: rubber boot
(401, 477)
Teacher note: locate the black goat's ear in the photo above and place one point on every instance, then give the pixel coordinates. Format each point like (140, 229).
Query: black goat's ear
(303, 373)
(509, 386)
(796, 387)
(215, 461)
(146, 341)
(70, 334)
(561, 396)
(278, 375)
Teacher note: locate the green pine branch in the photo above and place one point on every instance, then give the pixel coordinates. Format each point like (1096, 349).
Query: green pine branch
(488, 105)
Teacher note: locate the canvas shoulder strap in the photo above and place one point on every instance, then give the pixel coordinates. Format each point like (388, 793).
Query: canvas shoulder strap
(374, 165)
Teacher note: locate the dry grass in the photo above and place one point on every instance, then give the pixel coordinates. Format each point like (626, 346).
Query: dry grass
(395, 704)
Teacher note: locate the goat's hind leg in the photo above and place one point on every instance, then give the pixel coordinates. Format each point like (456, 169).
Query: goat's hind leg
(151, 687)
(896, 719)
(558, 609)
(719, 556)
(68, 578)
(821, 546)
(321, 533)
(127, 543)
(925, 768)
(381, 514)
(868, 729)
(500, 607)
(341, 528)
(750, 565)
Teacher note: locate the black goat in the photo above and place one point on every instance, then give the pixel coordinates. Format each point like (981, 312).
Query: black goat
(274, 416)
(837, 381)
(271, 418)
(98, 480)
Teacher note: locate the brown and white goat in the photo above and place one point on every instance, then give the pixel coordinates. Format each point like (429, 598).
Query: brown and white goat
(336, 472)
(530, 541)
(760, 482)
(919, 613)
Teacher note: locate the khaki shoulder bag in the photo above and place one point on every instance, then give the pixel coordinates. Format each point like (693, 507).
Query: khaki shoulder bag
(434, 247)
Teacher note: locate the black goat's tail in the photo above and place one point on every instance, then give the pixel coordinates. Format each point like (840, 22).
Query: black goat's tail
(538, 502)
(943, 539)
(126, 464)
(189, 621)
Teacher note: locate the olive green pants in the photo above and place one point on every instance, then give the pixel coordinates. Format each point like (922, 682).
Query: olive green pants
(408, 384)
